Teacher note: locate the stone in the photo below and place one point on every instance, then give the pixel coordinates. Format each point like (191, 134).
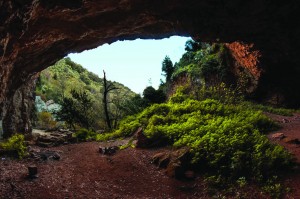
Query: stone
(176, 162)
(108, 150)
(190, 175)
(278, 136)
(175, 170)
(10, 153)
(142, 140)
(44, 155)
(291, 140)
(161, 159)
(32, 171)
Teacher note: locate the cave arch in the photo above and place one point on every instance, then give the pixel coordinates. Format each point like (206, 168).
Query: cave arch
(36, 33)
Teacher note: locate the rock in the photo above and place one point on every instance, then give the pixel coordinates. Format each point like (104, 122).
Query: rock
(10, 153)
(161, 159)
(175, 169)
(55, 139)
(190, 175)
(142, 140)
(44, 144)
(44, 155)
(284, 120)
(291, 140)
(32, 171)
(176, 162)
(278, 136)
(108, 150)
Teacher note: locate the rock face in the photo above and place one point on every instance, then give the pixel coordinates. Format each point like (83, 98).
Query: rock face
(18, 110)
(36, 33)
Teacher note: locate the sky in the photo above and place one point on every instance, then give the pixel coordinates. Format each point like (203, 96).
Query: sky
(135, 64)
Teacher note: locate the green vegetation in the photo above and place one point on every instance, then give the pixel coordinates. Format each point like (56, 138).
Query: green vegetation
(85, 135)
(270, 109)
(227, 140)
(15, 143)
(80, 95)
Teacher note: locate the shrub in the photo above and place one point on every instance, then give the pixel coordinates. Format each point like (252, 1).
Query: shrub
(85, 134)
(17, 143)
(223, 138)
(270, 109)
(45, 120)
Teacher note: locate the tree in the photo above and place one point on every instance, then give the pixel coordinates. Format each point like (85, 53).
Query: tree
(192, 46)
(167, 68)
(76, 109)
(153, 96)
(133, 105)
(108, 87)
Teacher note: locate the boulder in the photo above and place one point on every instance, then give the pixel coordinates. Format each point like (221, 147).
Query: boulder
(291, 140)
(278, 136)
(108, 150)
(161, 159)
(176, 162)
(142, 140)
(32, 171)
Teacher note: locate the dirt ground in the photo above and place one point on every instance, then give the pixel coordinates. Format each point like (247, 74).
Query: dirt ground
(82, 172)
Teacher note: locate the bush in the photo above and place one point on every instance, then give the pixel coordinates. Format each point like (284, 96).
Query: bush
(45, 120)
(16, 143)
(223, 138)
(85, 134)
(270, 109)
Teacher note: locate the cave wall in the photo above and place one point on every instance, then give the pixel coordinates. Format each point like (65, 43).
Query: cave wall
(18, 110)
(36, 33)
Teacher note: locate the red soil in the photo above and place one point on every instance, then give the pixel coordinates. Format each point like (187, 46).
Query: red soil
(84, 173)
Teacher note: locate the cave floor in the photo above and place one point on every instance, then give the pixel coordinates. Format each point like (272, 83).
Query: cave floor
(82, 172)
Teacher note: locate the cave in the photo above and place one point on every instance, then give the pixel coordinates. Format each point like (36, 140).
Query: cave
(261, 34)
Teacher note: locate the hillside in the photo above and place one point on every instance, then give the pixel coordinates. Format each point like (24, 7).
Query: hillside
(57, 82)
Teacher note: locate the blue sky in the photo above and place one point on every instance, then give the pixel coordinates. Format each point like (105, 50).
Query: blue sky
(136, 64)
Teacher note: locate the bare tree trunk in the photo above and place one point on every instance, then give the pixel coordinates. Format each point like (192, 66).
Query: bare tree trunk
(105, 102)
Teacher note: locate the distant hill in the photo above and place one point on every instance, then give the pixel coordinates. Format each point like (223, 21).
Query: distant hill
(57, 82)
(65, 75)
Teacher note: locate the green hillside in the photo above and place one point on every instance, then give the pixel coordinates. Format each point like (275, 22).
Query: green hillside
(57, 82)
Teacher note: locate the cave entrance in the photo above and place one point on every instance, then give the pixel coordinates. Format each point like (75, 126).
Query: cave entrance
(35, 34)
(130, 66)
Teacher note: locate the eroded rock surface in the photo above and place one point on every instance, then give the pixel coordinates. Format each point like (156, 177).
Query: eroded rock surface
(36, 33)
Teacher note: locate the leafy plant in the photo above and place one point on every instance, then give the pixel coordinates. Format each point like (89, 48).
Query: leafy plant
(225, 139)
(45, 120)
(85, 134)
(17, 143)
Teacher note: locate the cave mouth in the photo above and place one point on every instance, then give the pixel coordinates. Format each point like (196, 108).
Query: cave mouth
(36, 34)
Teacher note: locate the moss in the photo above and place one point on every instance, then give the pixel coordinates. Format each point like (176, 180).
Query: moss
(16, 143)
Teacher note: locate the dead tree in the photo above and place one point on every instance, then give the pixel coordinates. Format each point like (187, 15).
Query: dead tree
(108, 86)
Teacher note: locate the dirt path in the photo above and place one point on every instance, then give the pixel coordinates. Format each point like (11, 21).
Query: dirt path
(291, 131)
(82, 172)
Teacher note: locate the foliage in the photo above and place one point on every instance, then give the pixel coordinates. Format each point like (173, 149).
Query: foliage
(77, 110)
(225, 139)
(270, 109)
(152, 96)
(275, 188)
(57, 82)
(45, 120)
(16, 142)
(133, 105)
(167, 68)
(85, 134)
